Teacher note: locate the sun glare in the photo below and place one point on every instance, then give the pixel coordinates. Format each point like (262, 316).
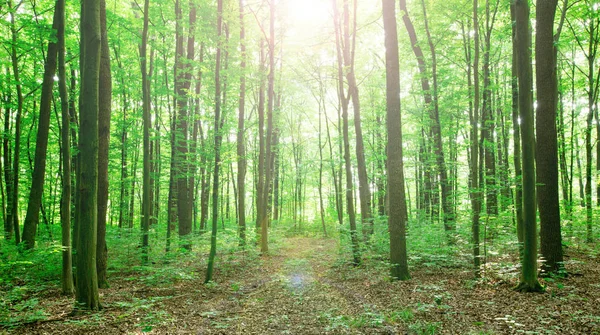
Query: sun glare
(307, 17)
(308, 11)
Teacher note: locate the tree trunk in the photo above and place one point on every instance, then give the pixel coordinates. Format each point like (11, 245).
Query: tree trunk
(346, 141)
(529, 280)
(105, 92)
(12, 215)
(241, 148)
(146, 199)
(395, 166)
(87, 188)
(431, 101)
(218, 137)
(182, 87)
(41, 144)
(474, 159)
(264, 220)
(65, 199)
(547, 138)
(363, 180)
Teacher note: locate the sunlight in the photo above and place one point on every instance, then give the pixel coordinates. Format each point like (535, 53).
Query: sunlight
(307, 20)
(308, 11)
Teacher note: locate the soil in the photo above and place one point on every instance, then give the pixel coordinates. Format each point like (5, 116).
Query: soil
(305, 287)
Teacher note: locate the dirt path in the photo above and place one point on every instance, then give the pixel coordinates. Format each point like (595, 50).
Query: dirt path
(290, 295)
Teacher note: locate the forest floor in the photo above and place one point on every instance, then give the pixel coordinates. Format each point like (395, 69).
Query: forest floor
(305, 287)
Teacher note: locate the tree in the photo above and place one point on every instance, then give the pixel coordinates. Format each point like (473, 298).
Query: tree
(348, 50)
(344, 102)
(241, 149)
(87, 181)
(41, 144)
(474, 163)
(183, 77)
(529, 281)
(431, 102)
(104, 111)
(13, 200)
(217, 141)
(395, 166)
(146, 199)
(547, 136)
(65, 199)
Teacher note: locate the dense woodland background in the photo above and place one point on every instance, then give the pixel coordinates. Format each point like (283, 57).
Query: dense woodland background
(178, 142)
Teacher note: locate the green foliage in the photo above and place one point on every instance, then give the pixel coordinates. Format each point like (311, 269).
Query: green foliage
(424, 328)
(404, 316)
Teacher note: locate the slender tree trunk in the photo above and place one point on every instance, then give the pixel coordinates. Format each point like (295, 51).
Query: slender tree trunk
(146, 199)
(218, 137)
(320, 186)
(474, 161)
(395, 166)
(105, 91)
(182, 88)
(65, 199)
(8, 173)
(41, 144)
(264, 220)
(12, 216)
(516, 134)
(488, 123)
(87, 183)
(261, 143)
(529, 280)
(547, 138)
(431, 101)
(348, 50)
(346, 141)
(241, 148)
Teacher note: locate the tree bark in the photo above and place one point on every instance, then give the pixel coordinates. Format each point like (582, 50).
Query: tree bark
(146, 199)
(395, 166)
(547, 137)
(12, 215)
(431, 102)
(41, 143)
(529, 281)
(87, 188)
(363, 180)
(105, 92)
(217, 138)
(65, 199)
(474, 162)
(344, 101)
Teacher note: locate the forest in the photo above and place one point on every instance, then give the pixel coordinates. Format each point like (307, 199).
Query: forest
(300, 167)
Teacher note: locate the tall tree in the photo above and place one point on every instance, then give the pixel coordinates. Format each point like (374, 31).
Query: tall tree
(217, 141)
(41, 143)
(395, 166)
(344, 102)
(474, 163)
(104, 111)
(516, 131)
(183, 78)
(146, 199)
(87, 181)
(430, 95)
(241, 148)
(348, 50)
(13, 206)
(547, 137)
(264, 220)
(65, 199)
(529, 280)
